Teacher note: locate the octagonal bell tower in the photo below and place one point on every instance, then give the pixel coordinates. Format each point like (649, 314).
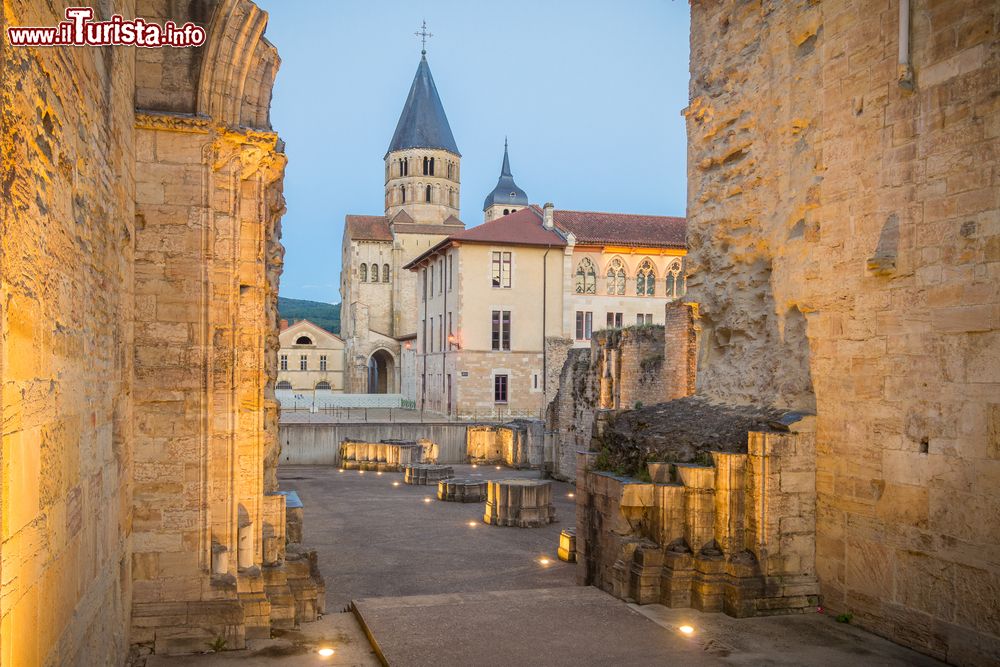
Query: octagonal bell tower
(423, 165)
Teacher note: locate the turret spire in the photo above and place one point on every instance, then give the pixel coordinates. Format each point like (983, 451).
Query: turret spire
(506, 193)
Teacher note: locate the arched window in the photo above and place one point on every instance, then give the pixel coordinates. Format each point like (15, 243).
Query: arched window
(323, 384)
(303, 340)
(506, 211)
(432, 166)
(402, 193)
(284, 384)
(364, 273)
(385, 273)
(426, 167)
(616, 277)
(374, 273)
(586, 277)
(645, 279)
(428, 193)
(674, 280)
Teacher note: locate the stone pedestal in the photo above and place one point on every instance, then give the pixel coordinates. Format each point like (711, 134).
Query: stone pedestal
(526, 503)
(462, 490)
(567, 545)
(425, 473)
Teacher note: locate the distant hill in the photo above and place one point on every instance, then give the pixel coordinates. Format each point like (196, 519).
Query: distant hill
(326, 315)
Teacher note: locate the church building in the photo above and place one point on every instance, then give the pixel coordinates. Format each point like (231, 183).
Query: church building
(422, 176)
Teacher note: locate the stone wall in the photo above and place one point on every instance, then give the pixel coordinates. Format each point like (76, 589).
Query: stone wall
(518, 444)
(736, 536)
(843, 234)
(66, 244)
(139, 271)
(622, 369)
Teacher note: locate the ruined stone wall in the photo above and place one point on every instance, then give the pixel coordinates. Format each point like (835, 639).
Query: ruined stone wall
(66, 242)
(622, 368)
(737, 535)
(843, 235)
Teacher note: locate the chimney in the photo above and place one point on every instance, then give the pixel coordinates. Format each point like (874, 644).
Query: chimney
(547, 212)
(282, 325)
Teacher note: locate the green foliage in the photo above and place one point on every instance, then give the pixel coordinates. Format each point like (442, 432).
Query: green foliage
(218, 645)
(325, 315)
(638, 405)
(844, 618)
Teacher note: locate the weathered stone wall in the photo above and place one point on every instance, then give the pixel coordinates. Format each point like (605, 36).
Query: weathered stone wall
(622, 368)
(737, 535)
(518, 444)
(66, 242)
(844, 239)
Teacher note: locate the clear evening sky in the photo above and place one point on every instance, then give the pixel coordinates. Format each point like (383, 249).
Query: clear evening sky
(589, 93)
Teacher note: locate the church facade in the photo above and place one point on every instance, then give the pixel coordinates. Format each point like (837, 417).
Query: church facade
(422, 194)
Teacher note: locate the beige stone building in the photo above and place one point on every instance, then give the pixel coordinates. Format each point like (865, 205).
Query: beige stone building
(500, 304)
(310, 359)
(422, 188)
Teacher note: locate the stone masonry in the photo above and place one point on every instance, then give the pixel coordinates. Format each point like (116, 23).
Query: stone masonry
(844, 235)
(139, 267)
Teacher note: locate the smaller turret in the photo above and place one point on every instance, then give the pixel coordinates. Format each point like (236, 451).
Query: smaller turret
(506, 196)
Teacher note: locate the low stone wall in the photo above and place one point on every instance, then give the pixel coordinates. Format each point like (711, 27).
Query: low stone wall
(738, 536)
(386, 455)
(519, 444)
(319, 443)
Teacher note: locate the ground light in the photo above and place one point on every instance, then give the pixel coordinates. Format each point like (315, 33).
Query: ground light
(326, 652)
(544, 561)
(379, 472)
(498, 467)
(395, 483)
(427, 500)
(686, 629)
(341, 470)
(472, 524)
(569, 495)
(361, 472)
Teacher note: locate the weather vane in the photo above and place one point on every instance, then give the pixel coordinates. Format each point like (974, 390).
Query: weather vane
(423, 35)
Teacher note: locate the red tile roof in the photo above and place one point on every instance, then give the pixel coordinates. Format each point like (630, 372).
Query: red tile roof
(521, 228)
(368, 228)
(596, 228)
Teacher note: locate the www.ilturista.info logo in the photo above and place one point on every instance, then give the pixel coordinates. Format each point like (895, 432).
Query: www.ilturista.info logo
(79, 30)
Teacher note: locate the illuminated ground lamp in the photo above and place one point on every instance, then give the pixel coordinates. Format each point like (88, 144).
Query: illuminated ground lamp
(569, 495)
(544, 561)
(379, 473)
(341, 470)
(427, 500)
(325, 652)
(686, 630)
(361, 472)
(395, 483)
(472, 524)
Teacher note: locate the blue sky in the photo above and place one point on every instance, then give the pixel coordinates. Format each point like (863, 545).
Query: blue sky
(589, 93)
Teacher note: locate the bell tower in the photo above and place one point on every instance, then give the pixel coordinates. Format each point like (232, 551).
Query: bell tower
(506, 196)
(423, 165)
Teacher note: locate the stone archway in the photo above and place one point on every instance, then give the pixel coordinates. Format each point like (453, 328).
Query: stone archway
(381, 371)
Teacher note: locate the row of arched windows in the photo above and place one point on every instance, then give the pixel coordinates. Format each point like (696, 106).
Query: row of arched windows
(426, 193)
(645, 278)
(428, 166)
(364, 273)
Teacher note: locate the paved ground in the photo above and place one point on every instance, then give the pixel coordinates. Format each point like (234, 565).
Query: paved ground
(376, 539)
(435, 586)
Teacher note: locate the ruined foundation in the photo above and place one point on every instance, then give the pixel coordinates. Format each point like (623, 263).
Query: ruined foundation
(525, 503)
(386, 455)
(462, 490)
(518, 444)
(737, 536)
(426, 474)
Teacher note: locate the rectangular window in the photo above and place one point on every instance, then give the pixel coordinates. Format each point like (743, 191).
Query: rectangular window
(303, 363)
(614, 320)
(451, 270)
(425, 284)
(432, 280)
(584, 324)
(644, 318)
(501, 330)
(501, 269)
(322, 362)
(441, 329)
(284, 362)
(500, 388)
(619, 317)
(423, 327)
(451, 332)
(430, 345)
(441, 286)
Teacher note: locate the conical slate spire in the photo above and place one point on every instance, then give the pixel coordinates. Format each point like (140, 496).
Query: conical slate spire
(506, 191)
(423, 123)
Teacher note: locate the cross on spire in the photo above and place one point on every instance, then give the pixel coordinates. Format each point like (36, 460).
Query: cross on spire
(423, 35)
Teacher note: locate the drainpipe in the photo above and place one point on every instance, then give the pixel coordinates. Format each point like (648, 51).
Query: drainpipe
(904, 73)
(545, 294)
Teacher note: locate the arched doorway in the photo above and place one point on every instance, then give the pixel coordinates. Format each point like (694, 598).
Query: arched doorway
(381, 369)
